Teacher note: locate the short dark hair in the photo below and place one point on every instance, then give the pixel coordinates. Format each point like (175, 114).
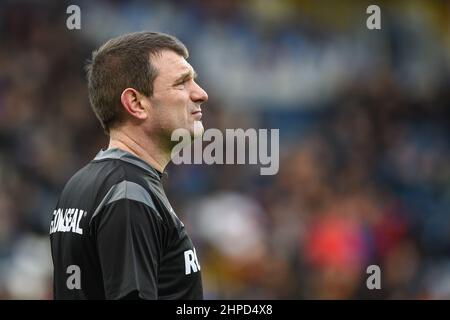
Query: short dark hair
(124, 62)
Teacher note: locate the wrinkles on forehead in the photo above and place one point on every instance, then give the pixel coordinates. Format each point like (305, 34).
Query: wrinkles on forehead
(170, 67)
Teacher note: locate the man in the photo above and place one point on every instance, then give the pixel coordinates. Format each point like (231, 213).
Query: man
(114, 234)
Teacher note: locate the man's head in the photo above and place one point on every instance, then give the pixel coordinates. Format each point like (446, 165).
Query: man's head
(144, 79)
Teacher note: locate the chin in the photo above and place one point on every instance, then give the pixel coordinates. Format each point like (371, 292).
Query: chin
(198, 130)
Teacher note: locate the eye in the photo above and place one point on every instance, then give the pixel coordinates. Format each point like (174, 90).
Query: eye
(182, 83)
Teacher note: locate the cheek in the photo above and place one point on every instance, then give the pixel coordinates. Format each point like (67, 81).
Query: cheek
(176, 116)
(176, 109)
(182, 108)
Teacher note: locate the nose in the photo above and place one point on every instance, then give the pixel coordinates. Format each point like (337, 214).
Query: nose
(198, 95)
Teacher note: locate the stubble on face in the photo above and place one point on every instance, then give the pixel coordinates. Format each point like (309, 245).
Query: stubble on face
(171, 99)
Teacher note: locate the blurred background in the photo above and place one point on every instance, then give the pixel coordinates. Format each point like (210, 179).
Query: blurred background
(364, 141)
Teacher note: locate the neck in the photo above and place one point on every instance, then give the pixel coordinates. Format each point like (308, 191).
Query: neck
(147, 150)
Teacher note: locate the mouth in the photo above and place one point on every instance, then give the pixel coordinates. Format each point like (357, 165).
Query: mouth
(197, 114)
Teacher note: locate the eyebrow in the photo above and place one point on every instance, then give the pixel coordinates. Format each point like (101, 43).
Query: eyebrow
(186, 75)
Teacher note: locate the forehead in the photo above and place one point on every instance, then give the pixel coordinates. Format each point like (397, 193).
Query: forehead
(170, 64)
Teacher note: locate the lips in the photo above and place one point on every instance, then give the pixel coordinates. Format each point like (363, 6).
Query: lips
(197, 114)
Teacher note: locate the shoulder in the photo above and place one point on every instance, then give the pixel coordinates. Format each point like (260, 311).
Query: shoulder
(100, 183)
(124, 195)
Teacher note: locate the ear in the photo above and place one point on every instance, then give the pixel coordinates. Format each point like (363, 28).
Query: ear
(133, 103)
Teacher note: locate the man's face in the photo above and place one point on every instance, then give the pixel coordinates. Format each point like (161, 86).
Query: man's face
(176, 98)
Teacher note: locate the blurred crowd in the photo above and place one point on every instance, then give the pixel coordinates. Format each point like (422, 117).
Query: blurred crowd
(363, 115)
